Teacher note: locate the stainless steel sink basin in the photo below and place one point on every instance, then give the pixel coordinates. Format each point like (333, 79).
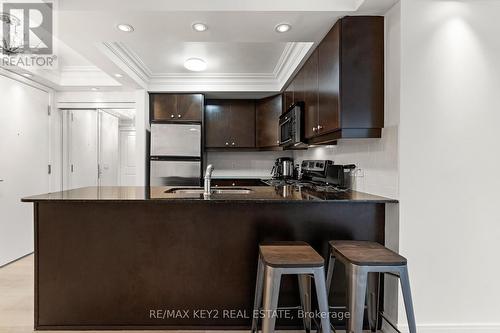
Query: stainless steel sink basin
(195, 190)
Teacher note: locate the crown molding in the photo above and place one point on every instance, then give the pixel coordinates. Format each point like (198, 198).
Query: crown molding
(80, 69)
(291, 62)
(127, 61)
(130, 62)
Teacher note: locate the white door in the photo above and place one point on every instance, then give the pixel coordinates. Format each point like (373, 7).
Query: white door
(81, 145)
(127, 158)
(108, 150)
(24, 155)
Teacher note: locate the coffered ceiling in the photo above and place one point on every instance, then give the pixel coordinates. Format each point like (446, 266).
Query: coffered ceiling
(242, 50)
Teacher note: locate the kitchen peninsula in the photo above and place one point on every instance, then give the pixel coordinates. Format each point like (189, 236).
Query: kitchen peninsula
(120, 257)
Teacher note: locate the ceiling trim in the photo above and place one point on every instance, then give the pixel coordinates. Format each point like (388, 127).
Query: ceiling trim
(292, 56)
(121, 57)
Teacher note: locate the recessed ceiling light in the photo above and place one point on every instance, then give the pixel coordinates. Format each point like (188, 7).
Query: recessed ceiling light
(27, 75)
(195, 64)
(200, 27)
(94, 89)
(118, 75)
(125, 27)
(283, 27)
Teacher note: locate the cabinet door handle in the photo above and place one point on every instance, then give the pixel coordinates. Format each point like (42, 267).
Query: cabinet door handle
(172, 116)
(179, 116)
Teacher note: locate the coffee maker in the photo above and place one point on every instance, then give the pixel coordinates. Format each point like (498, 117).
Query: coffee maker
(283, 168)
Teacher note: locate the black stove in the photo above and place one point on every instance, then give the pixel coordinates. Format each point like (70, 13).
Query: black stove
(319, 176)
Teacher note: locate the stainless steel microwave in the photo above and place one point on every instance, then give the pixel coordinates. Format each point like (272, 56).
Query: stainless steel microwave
(291, 126)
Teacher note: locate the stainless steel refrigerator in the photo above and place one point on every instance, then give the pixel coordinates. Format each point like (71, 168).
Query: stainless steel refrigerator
(175, 155)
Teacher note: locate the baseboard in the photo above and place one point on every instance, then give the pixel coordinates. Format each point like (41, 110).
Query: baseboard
(451, 328)
(11, 261)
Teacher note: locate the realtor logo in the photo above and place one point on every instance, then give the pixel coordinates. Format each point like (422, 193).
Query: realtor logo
(27, 34)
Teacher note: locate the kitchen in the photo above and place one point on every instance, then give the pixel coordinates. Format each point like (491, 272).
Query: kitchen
(297, 137)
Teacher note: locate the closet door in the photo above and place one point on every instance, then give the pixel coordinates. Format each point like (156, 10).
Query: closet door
(24, 159)
(82, 150)
(108, 150)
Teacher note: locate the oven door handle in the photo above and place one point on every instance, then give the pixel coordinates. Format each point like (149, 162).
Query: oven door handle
(287, 120)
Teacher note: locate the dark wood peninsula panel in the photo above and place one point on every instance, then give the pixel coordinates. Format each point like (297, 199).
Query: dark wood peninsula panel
(106, 258)
(342, 82)
(230, 123)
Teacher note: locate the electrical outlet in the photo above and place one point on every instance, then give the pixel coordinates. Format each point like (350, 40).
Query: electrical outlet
(359, 173)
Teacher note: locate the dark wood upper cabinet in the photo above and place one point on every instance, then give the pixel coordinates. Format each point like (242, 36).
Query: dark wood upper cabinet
(268, 111)
(176, 107)
(230, 123)
(310, 70)
(329, 82)
(163, 106)
(288, 96)
(217, 114)
(242, 123)
(190, 106)
(343, 82)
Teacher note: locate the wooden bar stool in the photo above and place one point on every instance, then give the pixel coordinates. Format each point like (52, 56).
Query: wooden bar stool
(277, 259)
(364, 260)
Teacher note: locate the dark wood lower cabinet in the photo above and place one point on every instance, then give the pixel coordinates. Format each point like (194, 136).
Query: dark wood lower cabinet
(238, 182)
(143, 264)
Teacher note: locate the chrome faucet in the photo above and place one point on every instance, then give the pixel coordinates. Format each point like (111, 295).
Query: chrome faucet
(208, 177)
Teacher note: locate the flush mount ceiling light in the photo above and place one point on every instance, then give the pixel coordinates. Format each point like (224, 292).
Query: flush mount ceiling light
(283, 27)
(118, 75)
(200, 27)
(125, 27)
(195, 64)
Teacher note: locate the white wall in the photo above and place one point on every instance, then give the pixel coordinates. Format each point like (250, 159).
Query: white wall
(244, 164)
(24, 159)
(449, 162)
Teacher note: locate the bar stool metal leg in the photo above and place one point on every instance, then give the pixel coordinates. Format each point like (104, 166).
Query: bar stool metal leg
(405, 288)
(329, 275)
(258, 294)
(356, 280)
(305, 299)
(319, 281)
(372, 297)
(272, 281)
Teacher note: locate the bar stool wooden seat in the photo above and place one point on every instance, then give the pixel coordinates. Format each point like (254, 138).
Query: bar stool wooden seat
(362, 259)
(277, 259)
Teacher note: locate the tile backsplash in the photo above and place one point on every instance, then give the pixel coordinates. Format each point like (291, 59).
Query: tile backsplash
(376, 161)
(244, 164)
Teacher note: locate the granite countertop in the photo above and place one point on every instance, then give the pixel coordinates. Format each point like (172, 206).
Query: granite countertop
(257, 193)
